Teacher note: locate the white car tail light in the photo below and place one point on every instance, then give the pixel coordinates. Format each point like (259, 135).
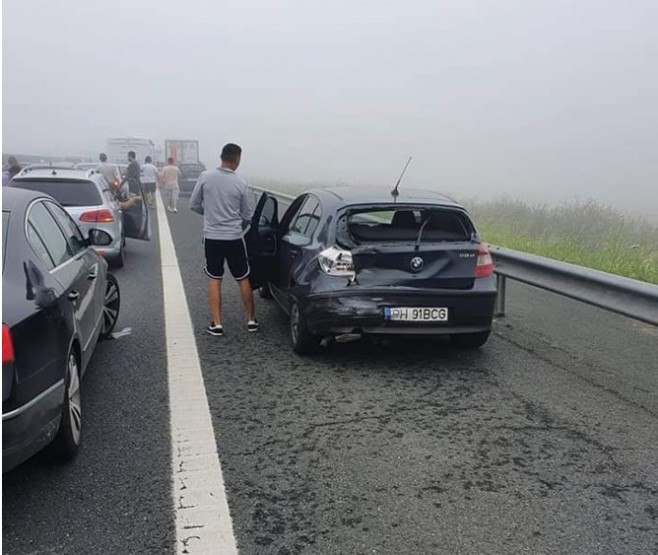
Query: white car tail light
(484, 266)
(336, 262)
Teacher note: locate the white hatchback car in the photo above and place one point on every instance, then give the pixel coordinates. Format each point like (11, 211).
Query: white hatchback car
(86, 196)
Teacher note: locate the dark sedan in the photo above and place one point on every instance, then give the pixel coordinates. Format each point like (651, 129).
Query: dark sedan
(57, 300)
(347, 262)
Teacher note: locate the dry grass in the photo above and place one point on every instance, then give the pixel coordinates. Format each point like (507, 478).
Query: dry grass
(588, 234)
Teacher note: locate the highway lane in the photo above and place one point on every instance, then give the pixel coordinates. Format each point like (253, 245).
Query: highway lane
(116, 496)
(543, 442)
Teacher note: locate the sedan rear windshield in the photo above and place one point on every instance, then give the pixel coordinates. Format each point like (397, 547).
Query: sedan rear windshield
(68, 193)
(419, 224)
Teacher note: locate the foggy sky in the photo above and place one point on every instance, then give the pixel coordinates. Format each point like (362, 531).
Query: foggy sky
(543, 100)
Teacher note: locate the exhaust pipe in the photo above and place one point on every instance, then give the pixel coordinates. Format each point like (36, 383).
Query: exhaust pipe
(348, 337)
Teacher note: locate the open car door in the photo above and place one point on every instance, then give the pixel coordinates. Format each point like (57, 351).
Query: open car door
(261, 241)
(136, 221)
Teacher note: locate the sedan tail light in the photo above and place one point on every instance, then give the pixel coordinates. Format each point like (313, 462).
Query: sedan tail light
(103, 216)
(484, 266)
(336, 262)
(7, 345)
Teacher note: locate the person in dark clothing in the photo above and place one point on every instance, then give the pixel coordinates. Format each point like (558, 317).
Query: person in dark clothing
(133, 171)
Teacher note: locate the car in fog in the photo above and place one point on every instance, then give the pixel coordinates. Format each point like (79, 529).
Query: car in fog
(86, 196)
(345, 262)
(190, 173)
(58, 300)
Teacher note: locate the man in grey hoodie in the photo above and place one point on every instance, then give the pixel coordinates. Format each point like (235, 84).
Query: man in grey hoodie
(220, 196)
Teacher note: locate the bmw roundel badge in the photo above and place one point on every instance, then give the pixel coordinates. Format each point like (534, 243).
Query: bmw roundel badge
(416, 263)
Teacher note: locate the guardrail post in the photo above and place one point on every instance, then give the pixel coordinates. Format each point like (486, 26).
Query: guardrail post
(501, 285)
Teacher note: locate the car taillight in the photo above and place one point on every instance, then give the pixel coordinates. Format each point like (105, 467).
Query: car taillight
(7, 345)
(336, 262)
(97, 216)
(484, 266)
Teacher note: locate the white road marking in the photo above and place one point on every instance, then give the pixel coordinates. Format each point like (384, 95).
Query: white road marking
(203, 521)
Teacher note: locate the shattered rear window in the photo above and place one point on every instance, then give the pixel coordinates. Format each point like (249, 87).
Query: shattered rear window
(418, 224)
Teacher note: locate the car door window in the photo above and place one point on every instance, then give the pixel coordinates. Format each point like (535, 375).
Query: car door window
(305, 222)
(71, 230)
(46, 237)
(291, 213)
(314, 221)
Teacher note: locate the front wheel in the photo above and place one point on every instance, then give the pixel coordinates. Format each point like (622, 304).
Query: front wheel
(67, 441)
(470, 340)
(111, 306)
(303, 341)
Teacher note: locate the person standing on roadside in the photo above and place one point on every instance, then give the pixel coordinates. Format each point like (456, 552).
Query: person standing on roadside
(7, 176)
(149, 179)
(109, 171)
(133, 172)
(12, 172)
(169, 176)
(220, 196)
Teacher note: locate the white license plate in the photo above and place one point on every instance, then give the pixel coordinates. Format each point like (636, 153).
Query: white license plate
(419, 314)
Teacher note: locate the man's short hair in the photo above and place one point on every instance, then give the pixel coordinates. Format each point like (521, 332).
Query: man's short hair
(147, 160)
(103, 157)
(231, 153)
(132, 155)
(170, 160)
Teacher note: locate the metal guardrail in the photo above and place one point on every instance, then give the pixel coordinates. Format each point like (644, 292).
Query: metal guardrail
(629, 297)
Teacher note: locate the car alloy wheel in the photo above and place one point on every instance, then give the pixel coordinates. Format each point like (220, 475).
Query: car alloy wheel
(111, 306)
(74, 400)
(303, 341)
(69, 436)
(294, 323)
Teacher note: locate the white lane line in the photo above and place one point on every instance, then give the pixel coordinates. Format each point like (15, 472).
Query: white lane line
(203, 521)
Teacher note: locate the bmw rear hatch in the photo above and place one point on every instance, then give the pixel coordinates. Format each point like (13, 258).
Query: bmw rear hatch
(418, 246)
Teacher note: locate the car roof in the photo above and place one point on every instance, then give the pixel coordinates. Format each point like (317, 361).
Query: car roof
(55, 173)
(16, 199)
(380, 195)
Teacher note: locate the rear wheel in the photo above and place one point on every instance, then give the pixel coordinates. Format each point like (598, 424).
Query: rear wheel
(111, 306)
(303, 341)
(119, 260)
(470, 340)
(67, 441)
(265, 292)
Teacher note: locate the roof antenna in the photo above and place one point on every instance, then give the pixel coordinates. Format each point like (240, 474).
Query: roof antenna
(395, 192)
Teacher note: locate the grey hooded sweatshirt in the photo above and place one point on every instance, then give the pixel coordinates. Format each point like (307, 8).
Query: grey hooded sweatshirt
(221, 197)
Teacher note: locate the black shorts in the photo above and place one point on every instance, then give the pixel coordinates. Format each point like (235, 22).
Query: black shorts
(234, 252)
(149, 187)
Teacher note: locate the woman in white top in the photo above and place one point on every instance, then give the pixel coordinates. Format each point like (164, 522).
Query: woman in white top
(149, 180)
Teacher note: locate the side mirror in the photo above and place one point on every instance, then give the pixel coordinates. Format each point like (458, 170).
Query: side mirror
(99, 238)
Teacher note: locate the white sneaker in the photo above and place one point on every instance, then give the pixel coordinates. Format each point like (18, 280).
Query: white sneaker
(175, 210)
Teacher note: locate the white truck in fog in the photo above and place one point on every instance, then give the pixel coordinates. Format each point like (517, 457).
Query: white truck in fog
(117, 149)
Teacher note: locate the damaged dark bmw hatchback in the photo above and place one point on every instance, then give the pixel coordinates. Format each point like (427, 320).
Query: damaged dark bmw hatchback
(347, 262)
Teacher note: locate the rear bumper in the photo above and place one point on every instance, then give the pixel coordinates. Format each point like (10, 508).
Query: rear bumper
(363, 311)
(31, 427)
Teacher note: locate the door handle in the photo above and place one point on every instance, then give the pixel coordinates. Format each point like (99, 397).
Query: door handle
(92, 275)
(73, 296)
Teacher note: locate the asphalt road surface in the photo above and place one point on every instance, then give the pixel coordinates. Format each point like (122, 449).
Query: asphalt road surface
(544, 441)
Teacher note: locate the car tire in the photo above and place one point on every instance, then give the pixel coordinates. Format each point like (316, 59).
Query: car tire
(470, 340)
(111, 306)
(67, 442)
(119, 260)
(303, 341)
(265, 291)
